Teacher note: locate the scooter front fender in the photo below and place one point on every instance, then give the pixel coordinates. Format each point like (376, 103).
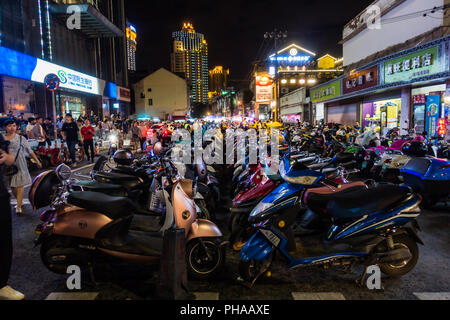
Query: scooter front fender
(203, 229)
(257, 248)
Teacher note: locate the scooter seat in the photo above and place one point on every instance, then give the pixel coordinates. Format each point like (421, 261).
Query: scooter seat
(344, 157)
(125, 180)
(113, 207)
(110, 189)
(132, 172)
(356, 201)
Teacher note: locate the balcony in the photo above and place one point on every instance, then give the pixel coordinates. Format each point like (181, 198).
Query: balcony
(93, 23)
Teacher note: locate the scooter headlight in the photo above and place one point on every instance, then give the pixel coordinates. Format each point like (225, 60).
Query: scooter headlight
(261, 207)
(63, 172)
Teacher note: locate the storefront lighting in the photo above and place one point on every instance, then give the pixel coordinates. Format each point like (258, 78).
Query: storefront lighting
(447, 100)
(311, 81)
(293, 81)
(284, 81)
(302, 81)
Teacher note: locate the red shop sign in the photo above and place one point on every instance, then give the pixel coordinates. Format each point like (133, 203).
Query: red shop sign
(125, 93)
(420, 99)
(361, 80)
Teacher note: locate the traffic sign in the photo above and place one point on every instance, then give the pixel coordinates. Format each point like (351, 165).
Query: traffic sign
(51, 82)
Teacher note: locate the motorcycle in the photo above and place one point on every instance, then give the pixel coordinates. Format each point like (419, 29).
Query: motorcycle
(430, 177)
(86, 228)
(368, 227)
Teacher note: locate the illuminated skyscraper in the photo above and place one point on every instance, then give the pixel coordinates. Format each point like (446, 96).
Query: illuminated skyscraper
(190, 56)
(218, 79)
(131, 47)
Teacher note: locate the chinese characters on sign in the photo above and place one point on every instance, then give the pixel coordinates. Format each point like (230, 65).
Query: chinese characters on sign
(361, 80)
(327, 92)
(412, 66)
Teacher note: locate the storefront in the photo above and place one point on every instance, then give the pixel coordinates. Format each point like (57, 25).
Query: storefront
(407, 89)
(22, 89)
(428, 108)
(292, 106)
(17, 95)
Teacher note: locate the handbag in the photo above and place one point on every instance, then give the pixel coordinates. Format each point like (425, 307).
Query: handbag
(13, 169)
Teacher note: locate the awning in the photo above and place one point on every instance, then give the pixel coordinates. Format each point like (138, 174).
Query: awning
(93, 23)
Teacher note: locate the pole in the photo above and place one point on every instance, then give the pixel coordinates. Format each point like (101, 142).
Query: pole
(55, 127)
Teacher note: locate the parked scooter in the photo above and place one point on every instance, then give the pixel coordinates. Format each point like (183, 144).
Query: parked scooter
(430, 177)
(368, 228)
(83, 228)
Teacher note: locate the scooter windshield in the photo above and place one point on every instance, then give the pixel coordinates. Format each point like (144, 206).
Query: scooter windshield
(297, 173)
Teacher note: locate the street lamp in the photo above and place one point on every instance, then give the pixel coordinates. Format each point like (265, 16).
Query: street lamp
(276, 35)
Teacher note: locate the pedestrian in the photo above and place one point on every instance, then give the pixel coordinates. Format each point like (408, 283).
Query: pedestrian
(38, 132)
(80, 139)
(69, 134)
(87, 133)
(6, 247)
(29, 129)
(135, 131)
(143, 134)
(49, 131)
(18, 147)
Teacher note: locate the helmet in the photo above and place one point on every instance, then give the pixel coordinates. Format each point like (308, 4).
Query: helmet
(123, 157)
(414, 148)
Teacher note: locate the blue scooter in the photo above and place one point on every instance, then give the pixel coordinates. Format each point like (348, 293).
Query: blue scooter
(369, 227)
(430, 177)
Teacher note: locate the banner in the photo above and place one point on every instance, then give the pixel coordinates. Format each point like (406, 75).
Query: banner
(432, 116)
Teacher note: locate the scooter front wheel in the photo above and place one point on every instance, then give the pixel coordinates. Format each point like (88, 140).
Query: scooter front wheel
(253, 269)
(401, 268)
(204, 258)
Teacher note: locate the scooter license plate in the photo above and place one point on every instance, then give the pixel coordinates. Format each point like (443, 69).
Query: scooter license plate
(272, 237)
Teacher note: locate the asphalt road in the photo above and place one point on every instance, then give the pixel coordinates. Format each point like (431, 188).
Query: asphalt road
(429, 279)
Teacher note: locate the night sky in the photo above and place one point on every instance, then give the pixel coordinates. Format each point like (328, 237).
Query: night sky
(235, 29)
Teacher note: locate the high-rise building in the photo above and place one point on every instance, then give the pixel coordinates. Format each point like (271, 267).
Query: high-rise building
(218, 79)
(131, 46)
(190, 57)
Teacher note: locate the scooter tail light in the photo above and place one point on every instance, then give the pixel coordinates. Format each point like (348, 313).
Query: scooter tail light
(445, 166)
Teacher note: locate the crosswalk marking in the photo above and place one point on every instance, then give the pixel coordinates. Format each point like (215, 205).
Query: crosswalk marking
(24, 202)
(84, 296)
(432, 295)
(206, 295)
(318, 296)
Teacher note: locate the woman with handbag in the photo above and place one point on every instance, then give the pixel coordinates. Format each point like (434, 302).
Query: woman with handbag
(6, 246)
(18, 173)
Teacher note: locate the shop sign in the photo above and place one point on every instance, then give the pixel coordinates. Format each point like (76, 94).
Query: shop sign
(432, 116)
(420, 99)
(22, 66)
(124, 94)
(330, 91)
(361, 80)
(412, 66)
(264, 85)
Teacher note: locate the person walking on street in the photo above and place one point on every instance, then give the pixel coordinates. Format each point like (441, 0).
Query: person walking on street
(38, 132)
(6, 247)
(87, 133)
(80, 139)
(18, 146)
(49, 131)
(69, 133)
(29, 129)
(135, 132)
